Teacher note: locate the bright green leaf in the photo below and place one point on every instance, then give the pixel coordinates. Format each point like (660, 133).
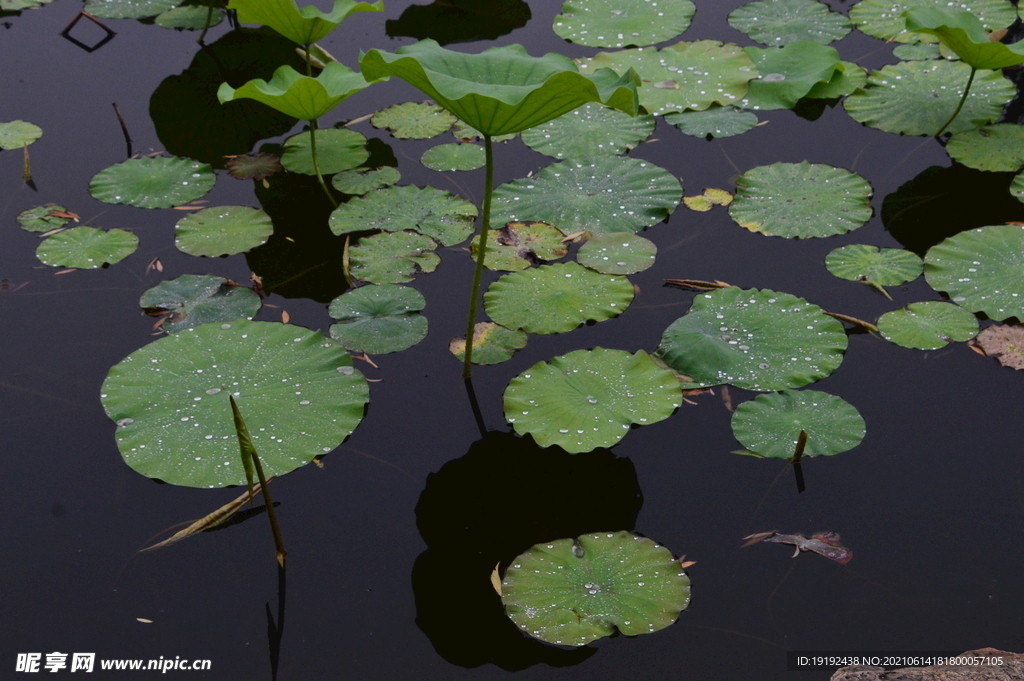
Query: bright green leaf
(304, 26)
(589, 130)
(885, 19)
(336, 150)
(299, 96)
(885, 267)
(770, 425)
(16, 134)
(86, 247)
(928, 326)
(222, 230)
(787, 74)
(617, 253)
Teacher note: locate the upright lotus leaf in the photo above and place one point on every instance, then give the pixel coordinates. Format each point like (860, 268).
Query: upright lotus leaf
(153, 182)
(589, 130)
(753, 339)
(519, 245)
(556, 298)
(304, 26)
(928, 326)
(590, 398)
(435, 213)
(995, 148)
(716, 121)
(885, 267)
(787, 74)
(393, 257)
(780, 22)
(503, 89)
(16, 134)
(981, 270)
(414, 120)
(1005, 342)
(336, 150)
(193, 300)
(599, 194)
(299, 96)
(87, 247)
(456, 156)
(770, 425)
(43, 218)
(492, 344)
(222, 230)
(620, 23)
(617, 253)
(362, 180)
(128, 9)
(298, 390)
(847, 79)
(800, 200)
(571, 592)
(379, 319)
(965, 34)
(885, 18)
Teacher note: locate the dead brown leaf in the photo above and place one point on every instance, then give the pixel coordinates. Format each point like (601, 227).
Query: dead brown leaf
(65, 271)
(64, 214)
(496, 579)
(285, 317)
(1005, 342)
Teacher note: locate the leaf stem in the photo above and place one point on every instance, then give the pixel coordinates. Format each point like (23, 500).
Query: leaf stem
(316, 162)
(485, 225)
(960, 105)
(249, 453)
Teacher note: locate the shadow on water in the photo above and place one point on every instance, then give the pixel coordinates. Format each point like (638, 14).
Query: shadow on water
(460, 21)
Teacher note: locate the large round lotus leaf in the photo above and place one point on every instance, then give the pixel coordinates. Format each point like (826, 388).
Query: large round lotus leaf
(778, 22)
(296, 390)
(43, 218)
(429, 211)
(618, 23)
(413, 120)
(787, 74)
(928, 326)
(153, 182)
(918, 97)
(16, 134)
(589, 398)
(770, 425)
(393, 257)
(600, 194)
(847, 79)
(304, 26)
(684, 75)
(336, 150)
(519, 245)
(590, 130)
(128, 9)
(885, 267)
(617, 253)
(573, 592)
(981, 270)
(222, 230)
(87, 247)
(556, 298)
(362, 180)
(379, 319)
(200, 299)
(753, 339)
(716, 121)
(298, 95)
(492, 344)
(884, 18)
(191, 18)
(995, 147)
(455, 156)
(800, 200)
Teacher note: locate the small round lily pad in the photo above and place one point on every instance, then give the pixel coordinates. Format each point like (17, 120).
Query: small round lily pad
(336, 150)
(617, 253)
(928, 326)
(885, 266)
(994, 148)
(414, 120)
(87, 247)
(379, 319)
(779, 22)
(222, 230)
(153, 182)
(519, 245)
(715, 121)
(455, 156)
(393, 257)
(589, 130)
(43, 218)
(16, 134)
(193, 300)
(492, 344)
(770, 425)
(620, 23)
(429, 211)
(362, 180)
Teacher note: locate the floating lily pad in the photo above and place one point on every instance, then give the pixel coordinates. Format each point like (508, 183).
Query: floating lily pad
(571, 592)
(847, 79)
(379, 319)
(619, 23)
(128, 9)
(492, 344)
(153, 182)
(590, 130)
(200, 299)
(86, 247)
(458, 156)
(222, 230)
(414, 120)
(995, 147)
(885, 267)
(393, 257)
(928, 326)
(884, 18)
(519, 245)
(1005, 342)
(190, 18)
(336, 150)
(617, 253)
(590, 398)
(16, 134)
(787, 74)
(770, 425)
(601, 194)
(303, 26)
(257, 166)
(429, 211)
(981, 269)
(753, 339)
(916, 52)
(779, 22)
(556, 298)
(41, 218)
(363, 180)
(465, 133)
(14, 6)
(297, 391)
(801, 200)
(715, 121)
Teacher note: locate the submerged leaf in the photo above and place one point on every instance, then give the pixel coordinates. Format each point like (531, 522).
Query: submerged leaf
(928, 326)
(823, 543)
(210, 521)
(257, 166)
(770, 424)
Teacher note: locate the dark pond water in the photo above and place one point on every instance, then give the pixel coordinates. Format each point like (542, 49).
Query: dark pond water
(390, 543)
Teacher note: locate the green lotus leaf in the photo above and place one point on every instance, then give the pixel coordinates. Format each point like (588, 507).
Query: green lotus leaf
(86, 248)
(620, 23)
(18, 5)
(379, 319)
(363, 180)
(847, 79)
(190, 18)
(753, 339)
(715, 121)
(885, 267)
(981, 269)
(617, 253)
(770, 425)
(492, 344)
(222, 230)
(128, 9)
(153, 182)
(519, 245)
(435, 213)
(589, 130)
(457, 156)
(503, 89)
(996, 148)
(257, 166)
(414, 120)
(965, 34)
(590, 398)
(556, 298)
(917, 97)
(928, 326)
(801, 200)
(779, 22)
(304, 26)
(336, 150)
(467, 133)
(684, 75)
(916, 52)
(1017, 186)
(297, 391)
(885, 18)
(787, 74)
(299, 96)
(393, 257)
(16, 134)
(600, 194)
(41, 218)
(193, 300)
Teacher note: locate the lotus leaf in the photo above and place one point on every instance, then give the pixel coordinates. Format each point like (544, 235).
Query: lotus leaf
(715, 121)
(492, 344)
(928, 326)
(190, 18)
(297, 390)
(299, 96)
(412, 120)
(435, 213)
(18, 5)
(1005, 342)
(885, 18)
(16, 134)
(847, 79)
(770, 425)
(779, 22)
(467, 133)
(1017, 186)
(336, 150)
(996, 148)
(800, 200)
(363, 180)
(965, 34)
(519, 245)
(916, 52)
(86, 247)
(619, 23)
(753, 339)
(257, 166)
(393, 257)
(200, 299)
(590, 398)
(42, 218)
(128, 9)
(981, 269)
(153, 182)
(787, 74)
(600, 194)
(304, 26)
(222, 230)
(572, 592)
(589, 130)
(617, 253)
(379, 319)
(458, 156)
(885, 267)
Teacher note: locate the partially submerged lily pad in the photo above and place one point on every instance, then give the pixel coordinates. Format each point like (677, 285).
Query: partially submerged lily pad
(379, 319)
(884, 18)
(779, 22)
(258, 166)
(153, 182)
(589, 130)
(87, 247)
(715, 121)
(336, 150)
(193, 300)
(519, 245)
(770, 425)
(414, 120)
(492, 344)
(620, 23)
(16, 134)
(222, 230)
(928, 326)
(43, 218)
(393, 257)
(1005, 342)
(617, 253)
(429, 211)
(362, 180)
(456, 156)
(885, 267)
(994, 148)
(787, 74)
